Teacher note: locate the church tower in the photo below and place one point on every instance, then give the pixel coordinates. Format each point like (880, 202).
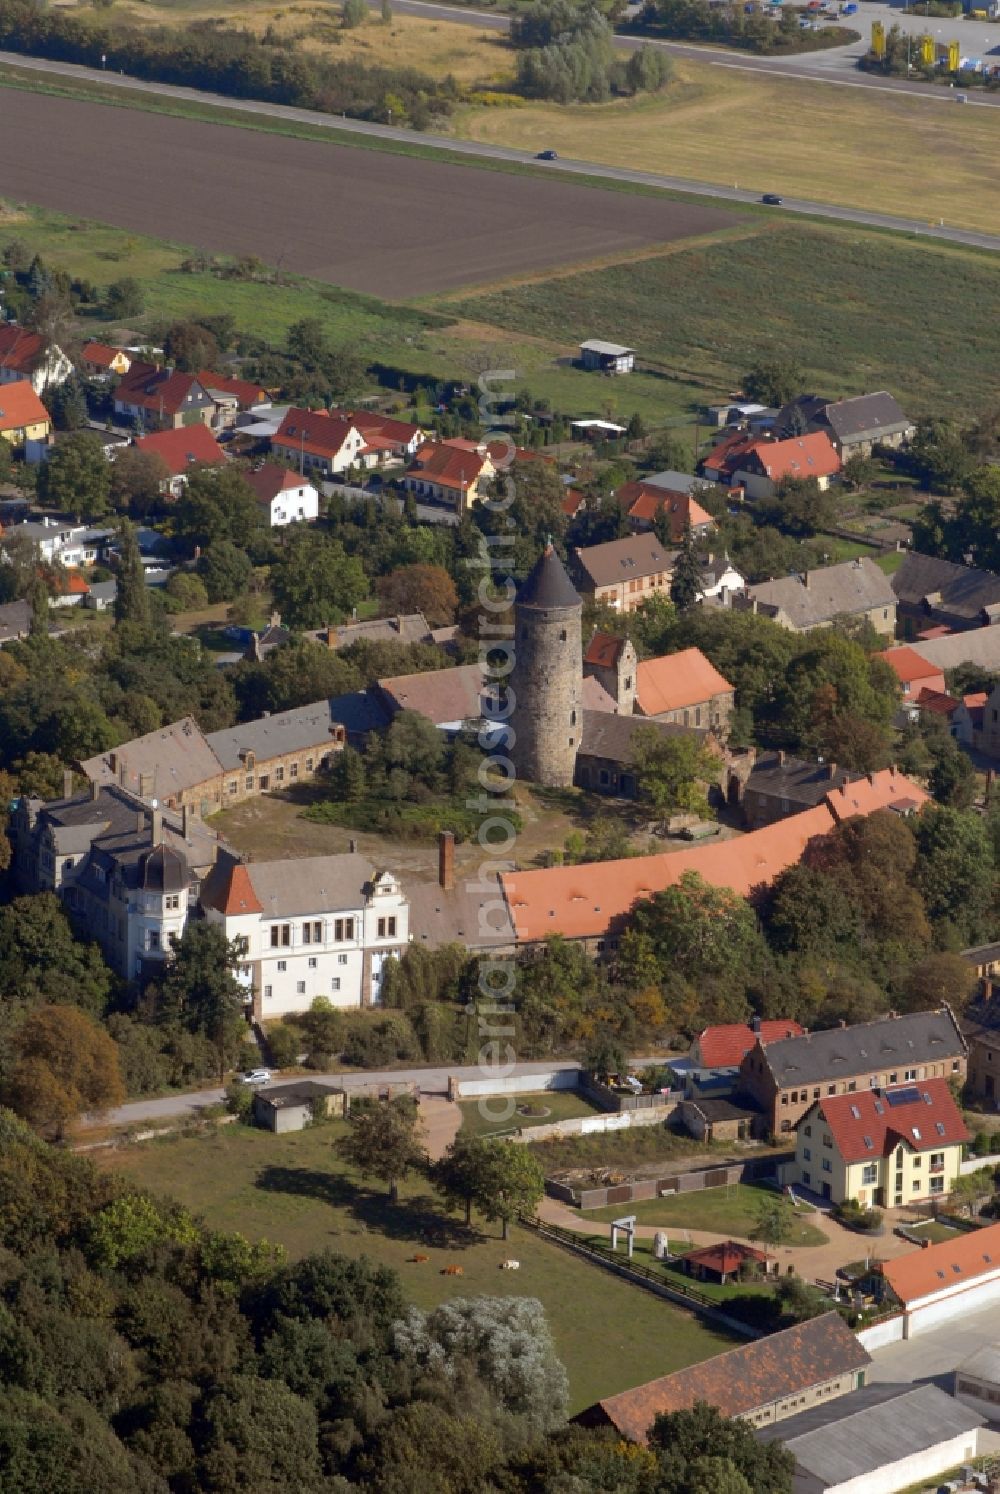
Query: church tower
(547, 677)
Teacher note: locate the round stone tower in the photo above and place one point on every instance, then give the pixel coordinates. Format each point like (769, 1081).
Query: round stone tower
(547, 677)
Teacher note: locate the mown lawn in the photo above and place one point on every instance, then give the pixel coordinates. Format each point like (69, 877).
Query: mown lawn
(293, 1190)
(479, 1119)
(725, 1211)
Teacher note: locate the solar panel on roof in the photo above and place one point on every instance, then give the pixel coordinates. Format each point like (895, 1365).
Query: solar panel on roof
(879, 1108)
(908, 1096)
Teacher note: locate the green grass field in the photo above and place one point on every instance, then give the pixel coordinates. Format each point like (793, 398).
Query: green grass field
(856, 310)
(730, 1211)
(560, 1105)
(293, 1190)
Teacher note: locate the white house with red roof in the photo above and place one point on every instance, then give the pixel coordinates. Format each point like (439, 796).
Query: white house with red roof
(27, 355)
(760, 464)
(181, 450)
(285, 497)
(317, 441)
(232, 396)
(881, 1147)
(391, 440)
(449, 472)
(725, 1045)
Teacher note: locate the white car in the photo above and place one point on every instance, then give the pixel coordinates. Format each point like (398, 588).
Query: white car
(256, 1076)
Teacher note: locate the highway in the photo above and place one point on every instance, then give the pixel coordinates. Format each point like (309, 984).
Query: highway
(478, 151)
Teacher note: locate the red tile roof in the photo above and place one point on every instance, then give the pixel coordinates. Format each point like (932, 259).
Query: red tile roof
(231, 892)
(164, 391)
(101, 353)
(582, 902)
(725, 1257)
(726, 1045)
(728, 455)
(572, 500)
(71, 584)
(270, 480)
(908, 665)
(179, 448)
(800, 456)
(603, 650)
(973, 702)
(242, 390)
(20, 349)
(939, 702)
(645, 500)
(314, 431)
(927, 1121)
(677, 680)
(369, 422)
(953, 1263)
(450, 464)
(20, 406)
(743, 1380)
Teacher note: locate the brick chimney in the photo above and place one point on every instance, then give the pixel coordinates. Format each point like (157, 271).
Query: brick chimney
(186, 820)
(95, 789)
(113, 761)
(446, 860)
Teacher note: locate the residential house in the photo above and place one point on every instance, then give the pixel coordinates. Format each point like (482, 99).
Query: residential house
(684, 688)
(671, 497)
(733, 412)
(612, 663)
(395, 440)
(779, 785)
(609, 749)
(27, 355)
(981, 1028)
(285, 497)
(979, 646)
(15, 621)
(449, 473)
(622, 574)
(725, 1045)
(990, 738)
(881, 1148)
(720, 580)
(929, 590)
(182, 449)
(785, 1078)
(762, 1382)
(24, 421)
(316, 926)
(70, 589)
(232, 397)
(151, 398)
(56, 539)
(880, 1439)
(606, 357)
(855, 589)
(761, 465)
(913, 672)
(946, 1281)
(969, 718)
(99, 360)
(292, 1107)
(314, 441)
(411, 627)
(127, 873)
(101, 595)
(856, 426)
(277, 750)
(593, 902)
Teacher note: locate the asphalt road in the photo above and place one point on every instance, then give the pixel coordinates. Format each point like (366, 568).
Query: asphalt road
(477, 150)
(432, 1081)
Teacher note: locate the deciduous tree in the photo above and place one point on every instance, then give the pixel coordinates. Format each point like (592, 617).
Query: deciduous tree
(383, 1140)
(65, 1065)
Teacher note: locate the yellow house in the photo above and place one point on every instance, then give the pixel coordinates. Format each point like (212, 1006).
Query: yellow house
(883, 1148)
(24, 420)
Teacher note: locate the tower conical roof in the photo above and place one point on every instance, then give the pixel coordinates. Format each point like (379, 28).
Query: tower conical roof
(548, 585)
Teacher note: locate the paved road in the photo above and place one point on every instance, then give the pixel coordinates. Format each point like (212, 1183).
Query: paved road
(478, 150)
(432, 1081)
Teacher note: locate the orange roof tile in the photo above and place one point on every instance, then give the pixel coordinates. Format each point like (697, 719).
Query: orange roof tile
(908, 665)
(879, 790)
(674, 681)
(72, 584)
(19, 349)
(603, 649)
(725, 1257)
(953, 1263)
(800, 456)
(102, 353)
(726, 1045)
(233, 892)
(243, 390)
(450, 464)
(20, 406)
(313, 431)
(645, 500)
(179, 448)
(872, 1123)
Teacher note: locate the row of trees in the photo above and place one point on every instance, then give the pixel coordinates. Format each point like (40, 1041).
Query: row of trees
(566, 53)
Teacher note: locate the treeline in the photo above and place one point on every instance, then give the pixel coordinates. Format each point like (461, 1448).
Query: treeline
(235, 63)
(567, 54)
(697, 20)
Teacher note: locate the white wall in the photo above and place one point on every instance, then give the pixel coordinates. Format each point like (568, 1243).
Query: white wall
(919, 1468)
(954, 1304)
(891, 1331)
(519, 1084)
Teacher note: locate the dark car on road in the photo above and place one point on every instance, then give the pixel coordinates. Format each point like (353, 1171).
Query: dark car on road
(772, 199)
(547, 155)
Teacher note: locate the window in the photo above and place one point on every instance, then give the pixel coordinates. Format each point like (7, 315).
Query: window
(248, 782)
(313, 962)
(282, 966)
(279, 775)
(293, 771)
(955, 1066)
(806, 1154)
(335, 983)
(910, 1074)
(317, 931)
(281, 935)
(267, 993)
(232, 787)
(852, 1086)
(300, 987)
(154, 939)
(937, 1185)
(827, 1139)
(343, 928)
(827, 1165)
(807, 1177)
(807, 1130)
(917, 1161)
(869, 1173)
(831, 1089)
(387, 928)
(893, 1078)
(309, 764)
(937, 1161)
(341, 959)
(173, 902)
(815, 1094)
(307, 933)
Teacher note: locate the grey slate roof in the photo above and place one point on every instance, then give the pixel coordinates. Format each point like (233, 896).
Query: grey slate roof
(866, 417)
(975, 646)
(918, 1037)
(796, 779)
(15, 620)
(857, 1434)
(548, 585)
(290, 1096)
(624, 560)
(359, 713)
(958, 589)
(613, 737)
(310, 884)
(471, 913)
(172, 758)
(288, 731)
(820, 596)
(444, 696)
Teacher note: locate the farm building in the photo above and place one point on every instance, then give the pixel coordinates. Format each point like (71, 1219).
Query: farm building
(606, 357)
